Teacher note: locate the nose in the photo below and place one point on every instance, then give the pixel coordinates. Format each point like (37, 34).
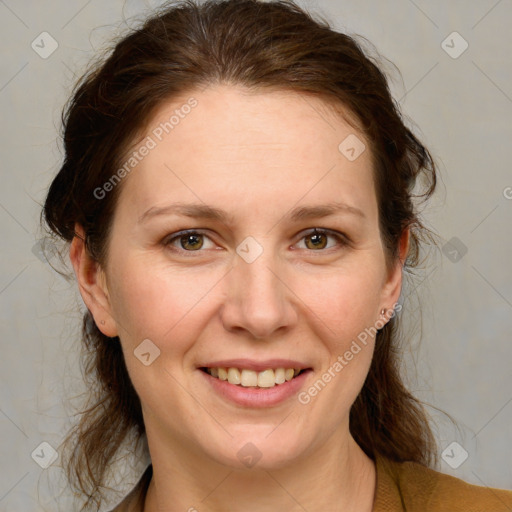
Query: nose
(258, 298)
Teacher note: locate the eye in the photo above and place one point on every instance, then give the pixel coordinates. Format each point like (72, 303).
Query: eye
(189, 240)
(317, 239)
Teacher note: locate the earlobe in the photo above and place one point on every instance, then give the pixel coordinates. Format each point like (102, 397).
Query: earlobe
(92, 284)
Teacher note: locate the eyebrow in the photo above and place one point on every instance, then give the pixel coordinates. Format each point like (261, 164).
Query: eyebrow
(203, 211)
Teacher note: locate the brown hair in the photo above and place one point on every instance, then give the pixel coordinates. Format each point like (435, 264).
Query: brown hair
(271, 45)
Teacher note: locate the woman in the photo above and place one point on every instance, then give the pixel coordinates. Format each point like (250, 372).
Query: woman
(237, 195)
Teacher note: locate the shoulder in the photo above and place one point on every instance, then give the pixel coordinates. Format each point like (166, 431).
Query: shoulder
(413, 487)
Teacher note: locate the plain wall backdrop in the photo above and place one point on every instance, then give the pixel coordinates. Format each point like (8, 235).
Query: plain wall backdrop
(457, 93)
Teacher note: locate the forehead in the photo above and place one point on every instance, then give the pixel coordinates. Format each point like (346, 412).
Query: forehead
(227, 145)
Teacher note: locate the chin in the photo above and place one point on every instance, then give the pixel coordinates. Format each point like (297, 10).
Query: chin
(259, 450)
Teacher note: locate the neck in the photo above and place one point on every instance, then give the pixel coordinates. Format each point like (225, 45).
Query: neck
(336, 476)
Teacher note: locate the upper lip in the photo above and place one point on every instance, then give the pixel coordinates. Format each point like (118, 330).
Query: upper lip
(257, 366)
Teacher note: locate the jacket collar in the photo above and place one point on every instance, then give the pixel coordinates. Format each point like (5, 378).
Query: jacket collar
(387, 489)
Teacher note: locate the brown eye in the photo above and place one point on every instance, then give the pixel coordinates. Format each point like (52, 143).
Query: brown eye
(193, 241)
(189, 241)
(318, 239)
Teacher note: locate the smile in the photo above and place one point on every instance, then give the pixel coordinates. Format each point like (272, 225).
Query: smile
(255, 389)
(249, 378)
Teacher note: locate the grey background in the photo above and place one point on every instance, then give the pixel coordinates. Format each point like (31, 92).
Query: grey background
(460, 107)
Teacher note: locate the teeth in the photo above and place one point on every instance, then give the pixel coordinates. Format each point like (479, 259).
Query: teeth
(266, 378)
(249, 378)
(279, 376)
(234, 376)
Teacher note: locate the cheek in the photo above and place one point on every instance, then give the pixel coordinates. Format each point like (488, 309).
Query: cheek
(155, 301)
(345, 305)
(166, 307)
(344, 300)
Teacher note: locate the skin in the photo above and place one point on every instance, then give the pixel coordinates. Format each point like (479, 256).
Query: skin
(256, 155)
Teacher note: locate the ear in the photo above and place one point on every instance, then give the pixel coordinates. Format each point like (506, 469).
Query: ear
(393, 285)
(92, 284)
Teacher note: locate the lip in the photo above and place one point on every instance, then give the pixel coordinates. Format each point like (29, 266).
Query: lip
(257, 366)
(256, 397)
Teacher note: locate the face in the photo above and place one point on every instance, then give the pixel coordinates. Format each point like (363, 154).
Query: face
(257, 285)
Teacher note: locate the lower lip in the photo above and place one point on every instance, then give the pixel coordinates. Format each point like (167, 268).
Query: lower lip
(257, 397)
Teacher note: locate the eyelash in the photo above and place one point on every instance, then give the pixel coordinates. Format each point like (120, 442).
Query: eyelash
(342, 239)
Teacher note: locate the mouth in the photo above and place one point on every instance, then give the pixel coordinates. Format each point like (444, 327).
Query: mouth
(247, 378)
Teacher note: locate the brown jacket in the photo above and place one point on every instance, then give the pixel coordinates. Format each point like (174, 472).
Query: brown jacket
(401, 487)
